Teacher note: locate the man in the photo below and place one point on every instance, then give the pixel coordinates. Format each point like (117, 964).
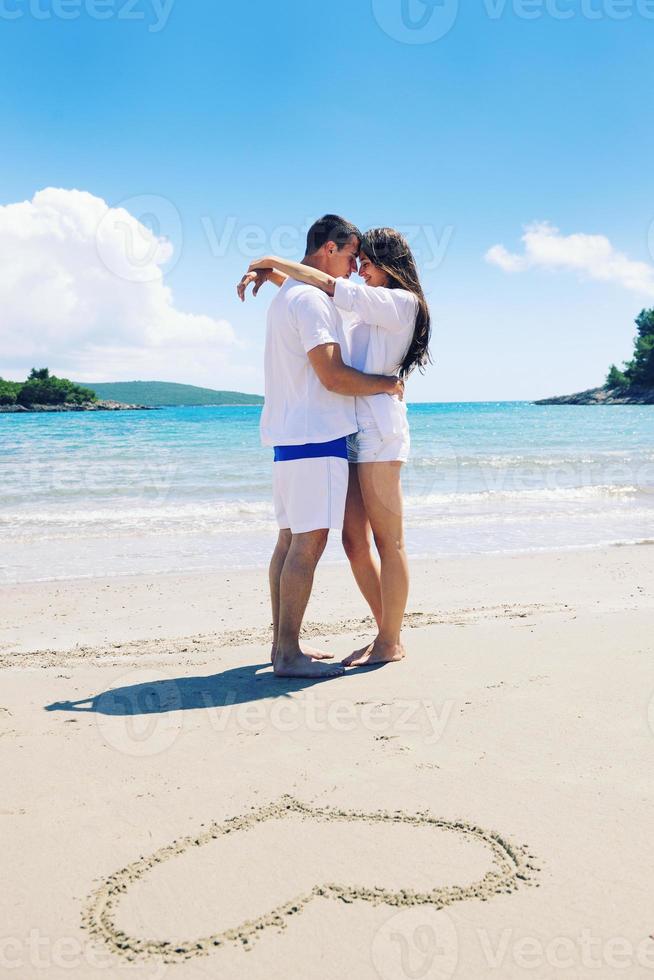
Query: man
(308, 413)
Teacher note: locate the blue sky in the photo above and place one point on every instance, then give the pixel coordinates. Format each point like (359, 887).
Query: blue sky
(265, 116)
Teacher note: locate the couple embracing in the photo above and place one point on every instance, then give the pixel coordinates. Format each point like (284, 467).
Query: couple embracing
(336, 419)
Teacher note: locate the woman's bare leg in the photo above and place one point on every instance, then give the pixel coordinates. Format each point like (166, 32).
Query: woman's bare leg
(358, 545)
(381, 492)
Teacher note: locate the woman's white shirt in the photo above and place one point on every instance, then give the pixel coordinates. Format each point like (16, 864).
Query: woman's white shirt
(380, 335)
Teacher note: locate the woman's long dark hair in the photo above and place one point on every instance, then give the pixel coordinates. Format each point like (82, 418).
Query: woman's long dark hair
(389, 250)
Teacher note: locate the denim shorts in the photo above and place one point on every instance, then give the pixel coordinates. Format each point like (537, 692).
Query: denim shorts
(369, 445)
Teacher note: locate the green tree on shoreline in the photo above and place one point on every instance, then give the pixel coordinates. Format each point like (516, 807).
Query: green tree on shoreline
(9, 391)
(639, 371)
(43, 388)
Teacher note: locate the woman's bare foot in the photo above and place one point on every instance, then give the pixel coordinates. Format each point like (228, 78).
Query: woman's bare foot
(379, 652)
(298, 664)
(310, 652)
(358, 654)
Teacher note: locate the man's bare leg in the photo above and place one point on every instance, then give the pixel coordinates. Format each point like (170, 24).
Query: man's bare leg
(274, 576)
(295, 585)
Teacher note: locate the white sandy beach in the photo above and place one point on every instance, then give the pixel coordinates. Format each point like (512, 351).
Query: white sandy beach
(481, 810)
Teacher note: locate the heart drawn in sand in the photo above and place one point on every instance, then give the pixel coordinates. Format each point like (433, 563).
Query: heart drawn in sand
(510, 867)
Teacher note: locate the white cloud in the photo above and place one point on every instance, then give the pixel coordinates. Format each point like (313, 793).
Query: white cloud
(81, 287)
(590, 255)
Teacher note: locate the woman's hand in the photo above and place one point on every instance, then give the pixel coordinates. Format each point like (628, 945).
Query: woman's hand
(266, 262)
(258, 277)
(399, 390)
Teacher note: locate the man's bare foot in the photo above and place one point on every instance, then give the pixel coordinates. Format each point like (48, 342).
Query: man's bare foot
(310, 652)
(300, 665)
(379, 652)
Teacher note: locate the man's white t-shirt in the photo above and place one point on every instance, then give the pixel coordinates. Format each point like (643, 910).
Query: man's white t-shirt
(298, 408)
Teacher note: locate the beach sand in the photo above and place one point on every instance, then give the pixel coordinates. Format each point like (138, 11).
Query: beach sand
(483, 809)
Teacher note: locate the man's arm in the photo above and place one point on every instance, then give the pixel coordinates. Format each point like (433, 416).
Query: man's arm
(338, 377)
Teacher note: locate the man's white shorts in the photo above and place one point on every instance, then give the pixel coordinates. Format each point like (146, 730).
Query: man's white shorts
(309, 494)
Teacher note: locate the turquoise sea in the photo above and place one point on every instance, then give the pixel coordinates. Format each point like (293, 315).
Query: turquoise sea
(182, 489)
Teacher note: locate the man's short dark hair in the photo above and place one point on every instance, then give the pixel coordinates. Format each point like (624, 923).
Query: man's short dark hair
(330, 228)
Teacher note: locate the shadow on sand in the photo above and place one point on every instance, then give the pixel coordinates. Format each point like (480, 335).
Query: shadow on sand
(240, 685)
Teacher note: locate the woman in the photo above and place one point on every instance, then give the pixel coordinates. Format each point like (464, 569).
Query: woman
(390, 334)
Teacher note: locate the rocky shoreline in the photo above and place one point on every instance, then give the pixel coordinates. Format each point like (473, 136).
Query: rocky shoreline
(99, 406)
(604, 396)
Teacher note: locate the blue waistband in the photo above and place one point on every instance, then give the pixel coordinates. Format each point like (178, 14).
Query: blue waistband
(312, 450)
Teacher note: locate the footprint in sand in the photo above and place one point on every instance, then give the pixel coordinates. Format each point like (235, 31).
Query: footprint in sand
(291, 854)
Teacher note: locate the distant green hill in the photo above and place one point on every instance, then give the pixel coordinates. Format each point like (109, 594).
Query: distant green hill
(168, 393)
